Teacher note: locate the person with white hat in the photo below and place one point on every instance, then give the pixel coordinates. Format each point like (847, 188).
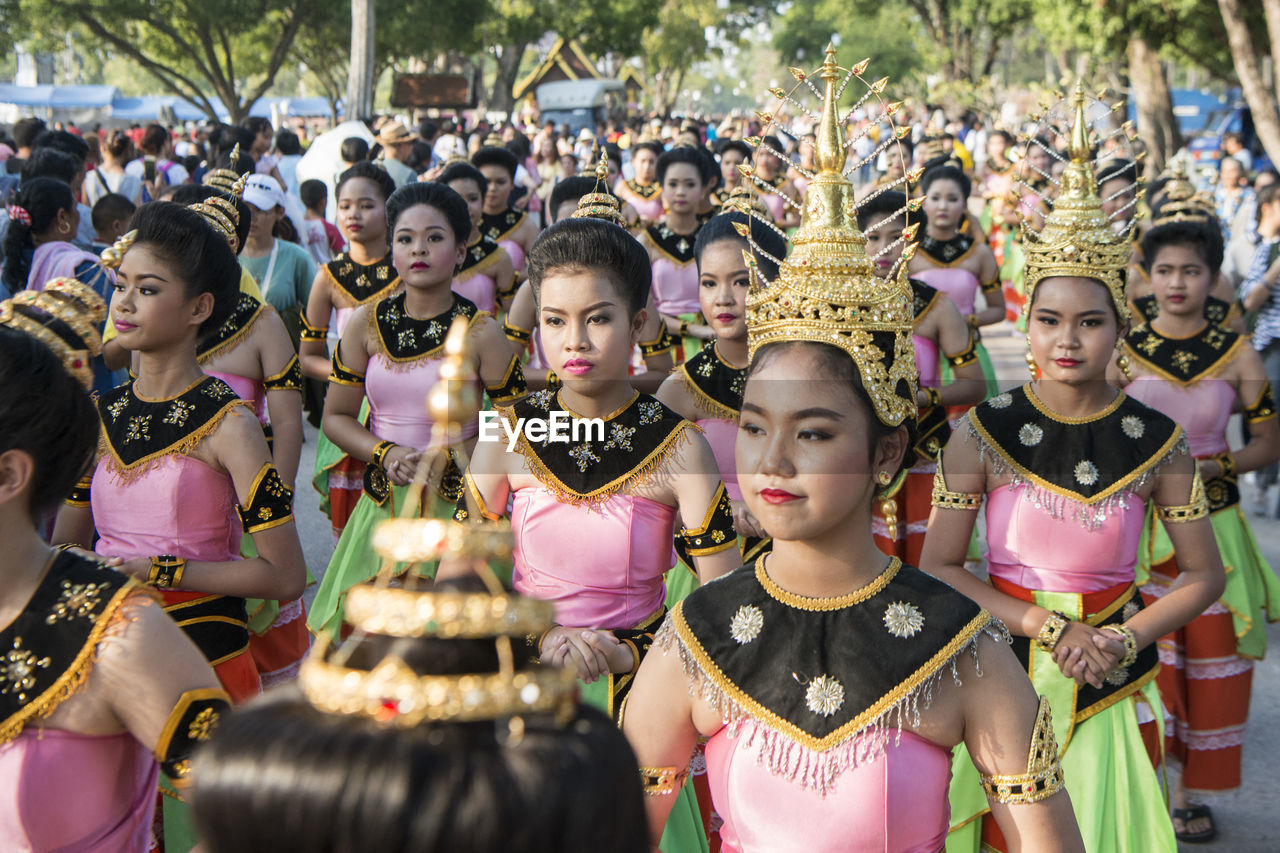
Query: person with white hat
(283, 269)
(397, 145)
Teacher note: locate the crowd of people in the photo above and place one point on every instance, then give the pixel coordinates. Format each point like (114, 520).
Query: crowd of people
(517, 643)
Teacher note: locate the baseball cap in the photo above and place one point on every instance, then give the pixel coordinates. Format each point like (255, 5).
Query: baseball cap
(263, 192)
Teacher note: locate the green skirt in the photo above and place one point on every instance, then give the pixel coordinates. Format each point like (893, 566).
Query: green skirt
(1252, 593)
(1118, 798)
(329, 455)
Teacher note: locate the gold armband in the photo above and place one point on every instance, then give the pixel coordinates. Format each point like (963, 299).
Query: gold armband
(993, 285)
(1051, 631)
(662, 781)
(944, 498)
(511, 388)
(341, 374)
(502, 292)
(553, 381)
(191, 722)
(1196, 507)
(1130, 644)
(716, 532)
(972, 320)
(80, 492)
(270, 502)
(312, 333)
(966, 356)
(658, 345)
(289, 379)
(1264, 408)
(470, 485)
(1226, 462)
(166, 571)
(1043, 778)
(517, 334)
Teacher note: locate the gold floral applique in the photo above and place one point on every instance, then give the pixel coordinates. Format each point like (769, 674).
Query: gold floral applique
(139, 428)
(18, 670)
(76, 601)
(178, 413)
(203, 724)
(621, 438)
(584, 456)
(1183, 360)
(824, 696)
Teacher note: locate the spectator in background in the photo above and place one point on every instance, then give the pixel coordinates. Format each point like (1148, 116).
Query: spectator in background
(78, 150)
(1231, 193)
(260, 146)
(320, 237)
(1258, 293)
(25, 131)
(289, 147)
(283, 270)
(111, 215)
(354, 150)
(1244, 232)
(1233, 147)
(156, 168)
(397, 145)
(111, 177)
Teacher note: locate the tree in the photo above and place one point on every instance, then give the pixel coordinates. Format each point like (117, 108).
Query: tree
(360, 79)
(888, 37)
(676, 41)
(1244, 54)
(202, 50)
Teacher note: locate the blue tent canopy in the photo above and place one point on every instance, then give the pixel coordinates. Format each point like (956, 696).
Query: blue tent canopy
(147, 107)
(59, 97)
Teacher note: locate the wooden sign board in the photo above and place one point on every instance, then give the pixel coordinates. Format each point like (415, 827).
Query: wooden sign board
(439, 91)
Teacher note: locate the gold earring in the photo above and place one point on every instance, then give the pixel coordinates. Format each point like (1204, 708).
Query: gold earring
(1031, 363)
(1123, 361)
(889, 506)
(883, 478)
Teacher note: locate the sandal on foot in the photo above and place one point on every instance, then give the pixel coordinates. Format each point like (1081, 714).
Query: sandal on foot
(1196, 812)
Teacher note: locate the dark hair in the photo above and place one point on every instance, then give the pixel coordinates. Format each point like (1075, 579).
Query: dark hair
(946, 173)
(369, 171)
(593, 244)
(570, 189)
(839, 369)
(881, 206)
(281, 776)
(1003, 134)
(109, 208)
(25, 130)
(354, 150)
(287, 142)
(196, 251)
(428, 129)
(652, 147)
(420, 155)
(240, 165)
(492, 155)
(1155, 189)
(154, 139)
(225, 138)
(736, 145)
(721, 227)
(682, 154)
(1204, 237)
(257, 124)
(189, 194)
(1126, 169)
(45, 412)
(51, 163)
(711, 176)
(119, 145)
(1266, 196)
(41, 198)
(313, 193)
(64, 141)
(464, 172)
(437, 195)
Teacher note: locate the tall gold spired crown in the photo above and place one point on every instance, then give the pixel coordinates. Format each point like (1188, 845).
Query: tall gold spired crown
(827, 290)
(1077, 238)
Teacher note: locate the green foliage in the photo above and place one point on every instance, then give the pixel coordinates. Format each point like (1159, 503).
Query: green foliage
(890, 36)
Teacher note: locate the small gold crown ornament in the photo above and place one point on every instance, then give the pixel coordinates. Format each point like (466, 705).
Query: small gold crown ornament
(1181, 201)
(600, 203)
(222, 213)
(64, 315)
(224, 179)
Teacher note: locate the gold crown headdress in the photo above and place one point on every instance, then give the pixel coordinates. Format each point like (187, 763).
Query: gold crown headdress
(827, 290)
(221, 212)
(224, 179)
(1078, 238)
(390, 692)
(600, 203)
(1181, 201)
(64, 316)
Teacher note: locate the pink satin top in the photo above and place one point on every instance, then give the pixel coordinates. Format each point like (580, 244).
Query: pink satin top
(341, 316)
(777, 207)
(1034, 550)
(478, 288)
(722, 435)
(675, 287)
(397, 401)
(73, 793)
(649, 209)
(927, 363)
(602, 566)
(181, 506)
(514, 251)
(1202, 408)
(247, 389)
(895, 804)
(960, 285)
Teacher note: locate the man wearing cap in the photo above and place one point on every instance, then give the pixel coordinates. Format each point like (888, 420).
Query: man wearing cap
(283, 270)
(397, 146)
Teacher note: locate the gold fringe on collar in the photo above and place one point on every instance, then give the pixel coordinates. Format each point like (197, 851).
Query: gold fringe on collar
(704, 402)
(122, 473)
(225, 346)
(404, 365)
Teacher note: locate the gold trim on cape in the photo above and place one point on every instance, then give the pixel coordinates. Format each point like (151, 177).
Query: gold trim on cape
(838, 602)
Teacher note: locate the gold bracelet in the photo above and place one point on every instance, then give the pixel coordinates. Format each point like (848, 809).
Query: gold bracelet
(379, 455)
(934, 395)
(1130, 644)
(661, 781)
(1051, 631)
(684, 328)
(972, 320)
(1227, 463)
(166, 571)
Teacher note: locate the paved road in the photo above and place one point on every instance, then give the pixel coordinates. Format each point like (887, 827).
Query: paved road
(1248, 820)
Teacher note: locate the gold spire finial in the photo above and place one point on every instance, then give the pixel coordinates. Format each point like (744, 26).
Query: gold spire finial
(1180, 202)
(224, 179)
(1078, 149)
(600, 203)
(113, 255)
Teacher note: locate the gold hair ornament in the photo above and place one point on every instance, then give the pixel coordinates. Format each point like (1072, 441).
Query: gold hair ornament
(827, 290)
(221, 212)
(224, 179)
(600, 203)
(113, 255)
(65, 316)
(1181, 201)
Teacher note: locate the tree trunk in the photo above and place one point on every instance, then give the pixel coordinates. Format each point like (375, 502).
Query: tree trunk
(1260, 100)
(360, 78)
(1157, 124)
(503, 99)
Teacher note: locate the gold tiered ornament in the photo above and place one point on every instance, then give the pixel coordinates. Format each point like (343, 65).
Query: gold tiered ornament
(1181, 201)
(65, 316)
(391, 693)
(600, 203)
(1078, 238)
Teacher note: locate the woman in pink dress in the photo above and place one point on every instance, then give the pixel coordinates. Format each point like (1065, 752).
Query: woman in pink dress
(644, 191)
(486, 276)
(831, 680)
(100, 688)
(513, 230)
